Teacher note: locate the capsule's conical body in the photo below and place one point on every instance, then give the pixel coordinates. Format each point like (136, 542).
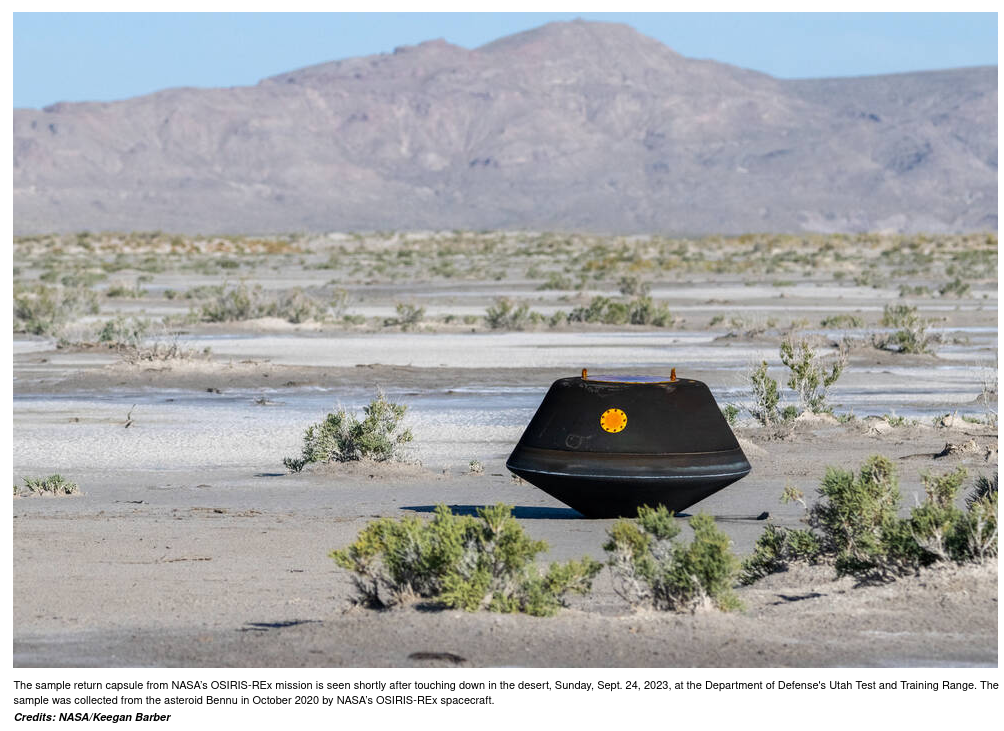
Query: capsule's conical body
(607, 445)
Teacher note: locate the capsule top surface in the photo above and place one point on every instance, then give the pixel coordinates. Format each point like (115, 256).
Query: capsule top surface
(632, 379)
(629, 417)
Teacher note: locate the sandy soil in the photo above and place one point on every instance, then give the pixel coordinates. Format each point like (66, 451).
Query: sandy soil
(186, 568)
(190, 546)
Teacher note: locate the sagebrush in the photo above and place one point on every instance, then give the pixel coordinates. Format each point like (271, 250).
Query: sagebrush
(54, 484)
(460, 561)
(406, 316)
(856, 525)
(777, 548)
(642, 310)
(506, 314)
(652, 569)
(238, 303)
(342, 437)
(766, 396)
(808, 376)
(44, 310)
(121, 333)
(911, 335)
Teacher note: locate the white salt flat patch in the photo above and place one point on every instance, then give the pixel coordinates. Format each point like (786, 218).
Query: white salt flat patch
(653, 351)
(487, 350)
(33, 346)
(185, 429)
(199, 430)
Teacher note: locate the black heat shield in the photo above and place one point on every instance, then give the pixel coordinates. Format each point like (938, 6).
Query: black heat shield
(661, 442)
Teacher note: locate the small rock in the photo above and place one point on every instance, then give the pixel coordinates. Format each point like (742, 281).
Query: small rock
(959, 450)
(879, 426)
(807, 417)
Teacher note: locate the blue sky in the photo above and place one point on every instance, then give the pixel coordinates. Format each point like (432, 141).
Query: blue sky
(106, 56)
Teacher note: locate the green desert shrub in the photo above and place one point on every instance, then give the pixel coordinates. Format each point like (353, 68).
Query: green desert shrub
(124, 290)
(460, 562)
(988, 393)
(856, 525)
(918, 290)
(939, 531)
(296, 306)
(239, 303)
(870, 278)
(83, 278)
(342, 437)
(776, 548)
(856, 513)
(43, 310)
(934, 531)
(911, 335)
(750, 327)
(505, 314)
(338, 302)
(956, 288)
(332, 262)
(731, 414)
(642, 310)
(602, 310)
(984, 488)
(766, 396)
(632, 285)
(558, 319)
(234, 304)
(981, 520)
(407, 317)
(205, 291)
(809, 378)
(842, 321)
(556, 280)
(160, 350)
(122, 332)
(51, 485)
(652, 569)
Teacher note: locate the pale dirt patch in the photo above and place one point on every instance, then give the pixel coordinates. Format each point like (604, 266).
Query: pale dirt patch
(372, 470)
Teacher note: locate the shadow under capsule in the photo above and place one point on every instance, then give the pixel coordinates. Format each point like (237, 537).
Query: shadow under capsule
(520, 511)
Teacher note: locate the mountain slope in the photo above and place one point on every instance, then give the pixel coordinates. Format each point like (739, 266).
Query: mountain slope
(568, 126)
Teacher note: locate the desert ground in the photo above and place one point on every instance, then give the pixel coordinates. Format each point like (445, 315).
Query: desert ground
(152, 371)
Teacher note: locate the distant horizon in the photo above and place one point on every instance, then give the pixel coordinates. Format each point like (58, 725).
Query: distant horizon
(78, 57)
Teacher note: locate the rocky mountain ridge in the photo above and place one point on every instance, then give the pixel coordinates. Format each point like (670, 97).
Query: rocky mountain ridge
(570, 126)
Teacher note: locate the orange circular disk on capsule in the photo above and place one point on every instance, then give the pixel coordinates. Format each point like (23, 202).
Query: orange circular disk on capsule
(613, 420)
